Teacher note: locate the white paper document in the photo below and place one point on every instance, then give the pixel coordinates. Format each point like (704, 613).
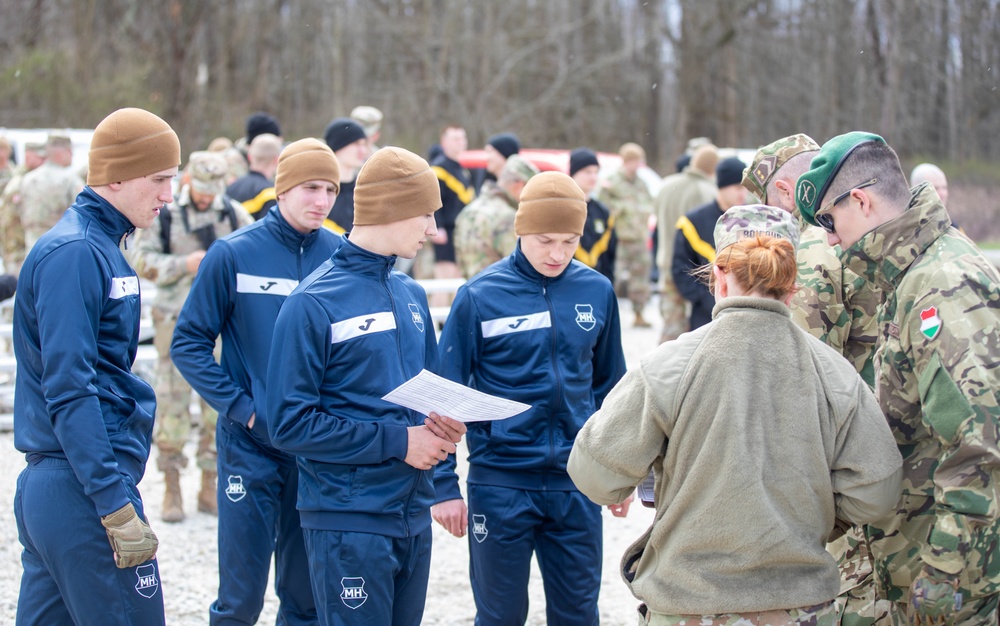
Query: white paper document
(427, 392)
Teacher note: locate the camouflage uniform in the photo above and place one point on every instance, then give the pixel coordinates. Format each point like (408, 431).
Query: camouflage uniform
(484, 230)
(45, 193)
(937, 382)
(168, 272)
(679, 194)
(631, 205)
(838, 307)
(12, 249)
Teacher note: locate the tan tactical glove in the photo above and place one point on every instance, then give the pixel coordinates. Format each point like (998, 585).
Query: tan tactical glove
(131, 539)
(934, 598)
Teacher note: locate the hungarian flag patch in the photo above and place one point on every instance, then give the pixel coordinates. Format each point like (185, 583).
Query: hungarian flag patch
(930, 323)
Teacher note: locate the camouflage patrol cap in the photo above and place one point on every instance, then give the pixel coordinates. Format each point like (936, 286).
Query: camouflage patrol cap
(369, 117)
(56, 140)
(207, 172)
(519, 168)
(741, 222)
(769, 160)
(37, 147)
(815, 182)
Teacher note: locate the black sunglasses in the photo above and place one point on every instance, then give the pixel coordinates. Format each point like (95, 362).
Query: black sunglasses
(823, 217)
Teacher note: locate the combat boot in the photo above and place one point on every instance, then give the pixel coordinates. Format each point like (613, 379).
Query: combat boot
(173, 506)
(640, 321)
(207, 501)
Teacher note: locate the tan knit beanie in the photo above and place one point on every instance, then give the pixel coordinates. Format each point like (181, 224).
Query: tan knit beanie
(305, 160)
(394, 184)
(551, 202)
(131, 143)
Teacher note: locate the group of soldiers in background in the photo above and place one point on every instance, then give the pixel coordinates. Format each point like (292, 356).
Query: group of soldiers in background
(229, 185)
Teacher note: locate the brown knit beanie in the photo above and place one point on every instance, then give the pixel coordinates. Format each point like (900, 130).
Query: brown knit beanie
(551, 202)
(305, 160)
(394, 184)
(705, 159)
(131, 143)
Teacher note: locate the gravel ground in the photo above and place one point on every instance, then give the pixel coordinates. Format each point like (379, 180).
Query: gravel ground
(189, 563)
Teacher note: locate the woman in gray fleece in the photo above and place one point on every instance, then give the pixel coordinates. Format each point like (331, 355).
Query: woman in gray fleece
(759, 437)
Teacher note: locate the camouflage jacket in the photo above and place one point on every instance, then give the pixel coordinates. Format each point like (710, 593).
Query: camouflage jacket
(46, 192)
(169, 270)
(484, 230)
(12, 247)
(631, 205)
(679, 194)
(833, 303)
(937, 381)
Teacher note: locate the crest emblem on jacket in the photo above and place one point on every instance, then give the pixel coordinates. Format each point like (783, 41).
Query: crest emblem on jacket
(585, 317)
(418, 319)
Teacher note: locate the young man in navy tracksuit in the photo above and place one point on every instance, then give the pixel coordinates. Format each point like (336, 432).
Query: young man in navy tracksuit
(352, 332)
(543, 329)
(83, 420)
(241, 283)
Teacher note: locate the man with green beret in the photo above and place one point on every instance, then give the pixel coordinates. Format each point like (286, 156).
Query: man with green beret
(838, 307)
(935, 377)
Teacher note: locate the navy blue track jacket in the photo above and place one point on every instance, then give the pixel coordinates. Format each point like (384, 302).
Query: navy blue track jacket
(76, 331)
(241, 283)
(553, 343)
(351, 333)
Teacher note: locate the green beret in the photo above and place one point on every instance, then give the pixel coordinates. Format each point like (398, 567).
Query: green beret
(741, 222)
(771, 158)
(815, 182)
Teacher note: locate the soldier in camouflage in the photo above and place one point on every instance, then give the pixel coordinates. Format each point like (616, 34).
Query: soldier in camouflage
(168, 254)
(936, 378)
(838, 307)
(13, 249)
(630, 203)
(681, 192)
(47, 190)
(484, 230)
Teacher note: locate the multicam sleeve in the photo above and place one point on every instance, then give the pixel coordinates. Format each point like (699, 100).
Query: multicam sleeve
(952, 339)
(147, 257)
(818, 305)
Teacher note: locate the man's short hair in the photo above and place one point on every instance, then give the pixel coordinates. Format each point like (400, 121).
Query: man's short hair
(870, 160)
(922, 172)
(447, 127)
(790, 171)
(264, 148)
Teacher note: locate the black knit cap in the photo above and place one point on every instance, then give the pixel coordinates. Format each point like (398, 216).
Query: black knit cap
(343, 131)
(582, 157)
(260, 123)
(505, 143)
(729, 172)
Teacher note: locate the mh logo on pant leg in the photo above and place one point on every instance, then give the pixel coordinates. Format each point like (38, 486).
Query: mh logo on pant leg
(235, 490)
(479, 528)
(353, 594)
(147, 585)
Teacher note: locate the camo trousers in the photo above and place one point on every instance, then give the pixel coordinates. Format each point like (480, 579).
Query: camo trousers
(173, 401)
(632, 267)
(673, 309)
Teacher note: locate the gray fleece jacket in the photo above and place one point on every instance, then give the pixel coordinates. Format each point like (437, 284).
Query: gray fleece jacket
(758, 435)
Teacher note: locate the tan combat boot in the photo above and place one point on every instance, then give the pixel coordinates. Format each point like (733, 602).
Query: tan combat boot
(173, 507)
(207, 502)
